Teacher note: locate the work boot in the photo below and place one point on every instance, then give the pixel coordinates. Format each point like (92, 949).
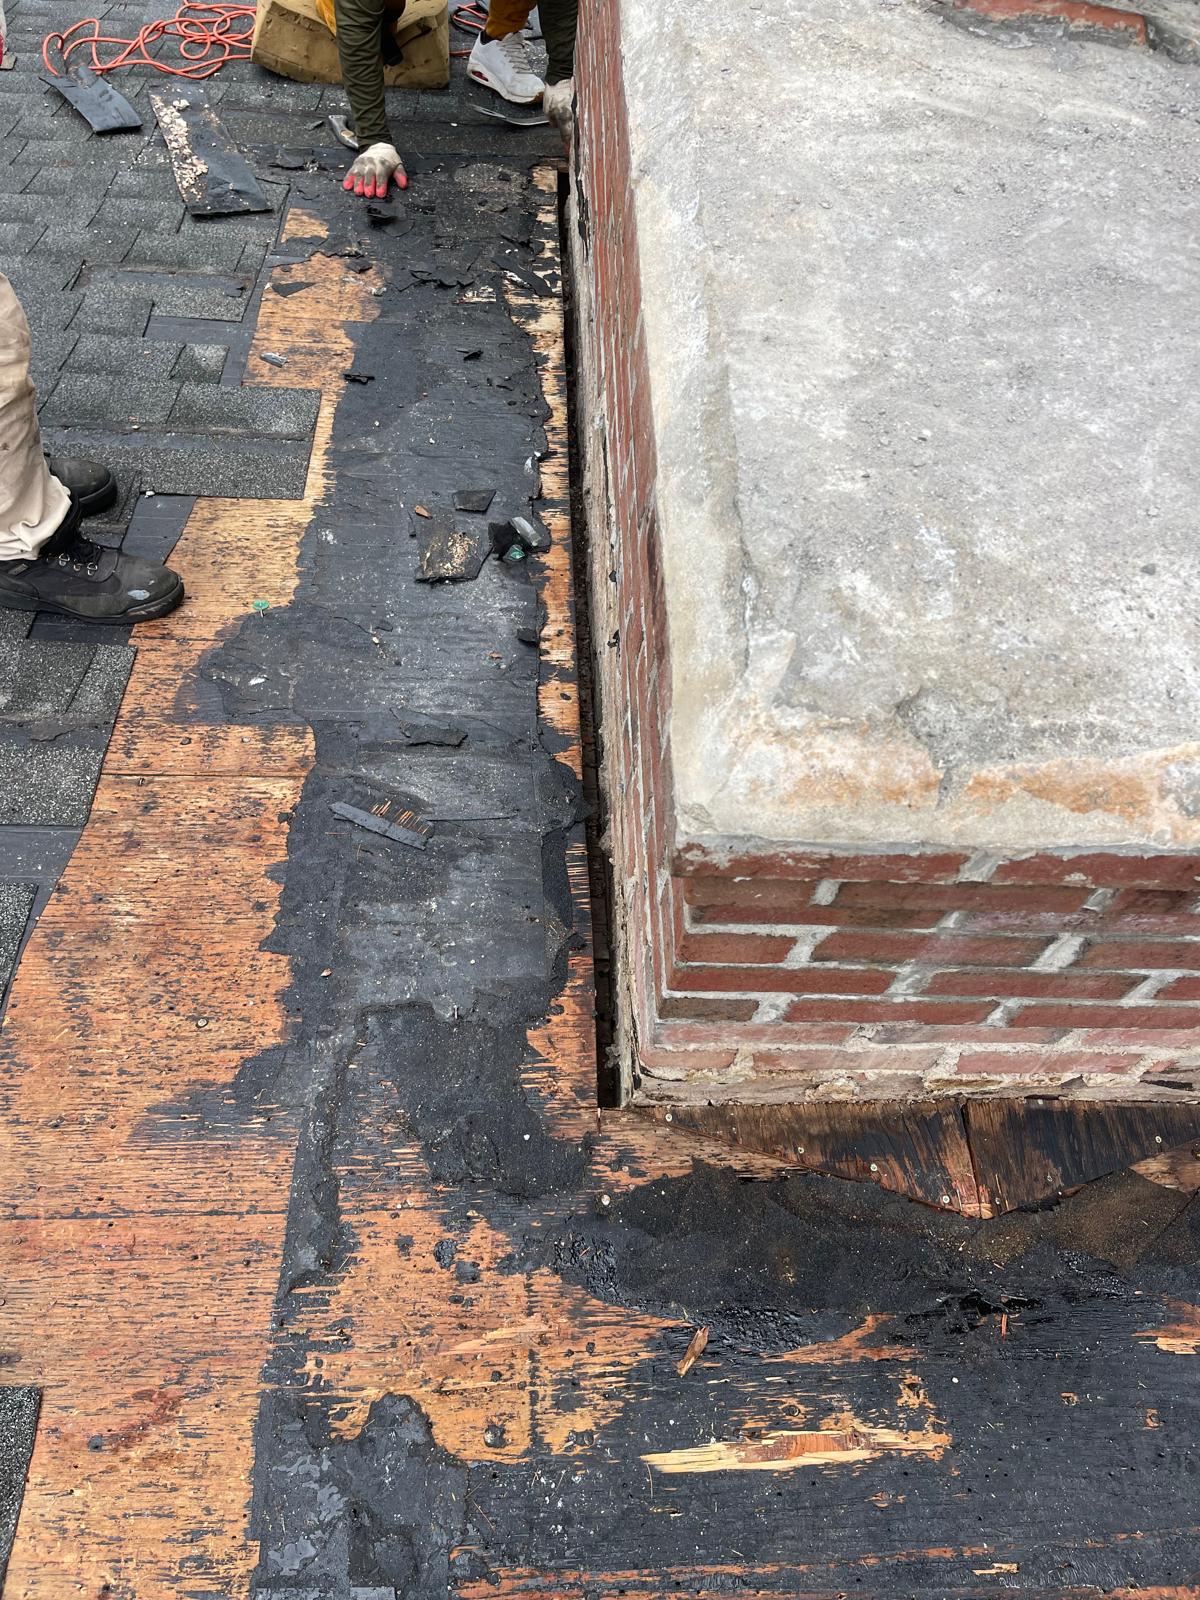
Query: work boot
(91, 484)
(76, 578)
(504, 65)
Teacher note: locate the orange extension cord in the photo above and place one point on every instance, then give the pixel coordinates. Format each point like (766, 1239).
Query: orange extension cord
(470, 18)
(204, 35)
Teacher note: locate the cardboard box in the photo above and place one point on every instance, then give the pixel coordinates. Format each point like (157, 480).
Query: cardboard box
(290, 38)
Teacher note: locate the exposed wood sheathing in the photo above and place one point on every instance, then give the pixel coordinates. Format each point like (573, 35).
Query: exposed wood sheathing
(141, 1260)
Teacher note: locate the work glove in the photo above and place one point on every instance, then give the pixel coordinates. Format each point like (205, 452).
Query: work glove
(558, 102)
(374, 169)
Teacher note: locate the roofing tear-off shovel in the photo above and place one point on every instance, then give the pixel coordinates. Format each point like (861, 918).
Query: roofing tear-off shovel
(213, 176)
(97, 102)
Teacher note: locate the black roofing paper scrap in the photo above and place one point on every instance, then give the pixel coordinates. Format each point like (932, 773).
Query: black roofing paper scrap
(213, 175)
(97, 102)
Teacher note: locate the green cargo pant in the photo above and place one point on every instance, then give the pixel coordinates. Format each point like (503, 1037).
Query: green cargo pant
(359, 36)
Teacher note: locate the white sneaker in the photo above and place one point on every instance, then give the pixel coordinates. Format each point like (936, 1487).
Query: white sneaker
(504, 65)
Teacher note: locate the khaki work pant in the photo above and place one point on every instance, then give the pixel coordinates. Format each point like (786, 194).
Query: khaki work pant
(32, 501)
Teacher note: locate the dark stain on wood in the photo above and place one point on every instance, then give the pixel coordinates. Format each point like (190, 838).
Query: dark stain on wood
(1030, 1152)
(917, 1148)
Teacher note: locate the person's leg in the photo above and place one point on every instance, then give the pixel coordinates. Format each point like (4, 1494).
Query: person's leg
(560, 22)
(360, 28)
(505, 17)
(499, 57)
(45, 562)
(33, 503)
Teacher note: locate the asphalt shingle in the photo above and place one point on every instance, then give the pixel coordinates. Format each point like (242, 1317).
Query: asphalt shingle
(200, 363)
(280, 413)
(118, 355)
(49, 783)
(86, 397)
(16, 902)
(114, 308)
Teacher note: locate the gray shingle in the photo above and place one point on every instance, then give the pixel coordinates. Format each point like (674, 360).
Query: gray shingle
(39, 679)
(48, 783)
(119, 354)
(150, 216)
(144, 182)
(88, 397)
(15, 624)
(28, 208)
(282, 413)
(200, 363)
(114, 308)
(233, 465)
(215, 299)
(98, 244)
(16, 902)
(71, 682)
(217, 254)
(19, 238)
(99, 696)
(51, 351)
(56, 151)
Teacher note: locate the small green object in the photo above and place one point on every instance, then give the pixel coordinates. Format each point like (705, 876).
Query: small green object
(514, 553)
(260, 606)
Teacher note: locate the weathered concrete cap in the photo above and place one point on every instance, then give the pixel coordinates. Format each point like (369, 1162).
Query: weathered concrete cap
(921, 313)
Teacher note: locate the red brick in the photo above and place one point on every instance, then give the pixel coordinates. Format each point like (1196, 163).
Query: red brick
(758, 949)
(1126, 26)
(693, 859)
(1133, 1038)
(944, 1011)
(905, 1034)
(1164, 924)
(1180, 989)
(1103, 871)
(1033, 1063)
(1085, 1016)
(963, 896)
(937, 950)
(1152, 903)
(811, 916)
(1154, 954)
(652, 1056)
(776, 1060)
(1005, 983)
(794, 894)
(706, 1008)
(781, 980)
(755, 1035)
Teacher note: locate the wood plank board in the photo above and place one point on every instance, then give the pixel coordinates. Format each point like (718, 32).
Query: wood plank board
(1030, 1152)
(916, 1148)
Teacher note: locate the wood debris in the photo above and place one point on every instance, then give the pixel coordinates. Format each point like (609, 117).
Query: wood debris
(695, 1349)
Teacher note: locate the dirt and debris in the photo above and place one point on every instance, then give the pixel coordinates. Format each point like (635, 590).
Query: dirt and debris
(518, 538)
(697, 1345)
(101, 106)
(477, 500)
(213, 176)
(450, 553)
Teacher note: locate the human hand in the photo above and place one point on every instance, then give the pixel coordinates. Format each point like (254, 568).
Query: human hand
(373, 170)
(558, 102)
